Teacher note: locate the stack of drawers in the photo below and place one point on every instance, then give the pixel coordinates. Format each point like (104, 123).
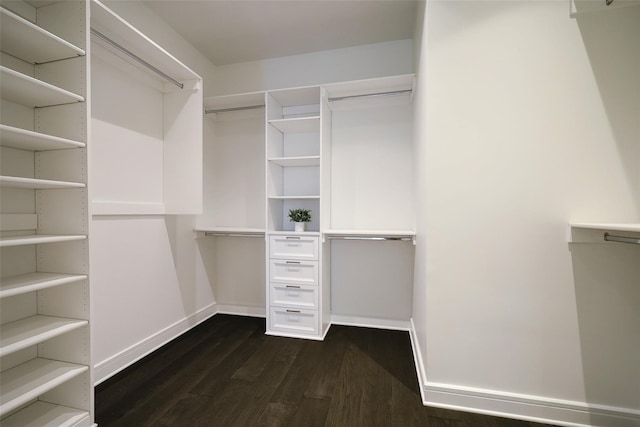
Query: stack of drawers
(293, 289)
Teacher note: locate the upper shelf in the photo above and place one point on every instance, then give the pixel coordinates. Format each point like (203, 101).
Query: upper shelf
(632, 227)
(296, 161)
(22, 89)
(37, 184)
(27, 41)
(227, 103)
(384, 91)
(124, 34)
(297, 124)
(34, 141)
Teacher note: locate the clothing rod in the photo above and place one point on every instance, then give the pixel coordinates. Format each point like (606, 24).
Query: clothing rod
(377, 238)
(221, 234)
(391, 93)
(226, 110)
(621, 239)
(135, 57)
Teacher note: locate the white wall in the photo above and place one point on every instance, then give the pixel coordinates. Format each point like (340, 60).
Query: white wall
(527, 119)
(354, 63)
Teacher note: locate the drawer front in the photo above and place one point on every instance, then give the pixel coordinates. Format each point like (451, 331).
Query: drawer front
(298, 296)
(294, 272)
(293, 247)
(294, 320)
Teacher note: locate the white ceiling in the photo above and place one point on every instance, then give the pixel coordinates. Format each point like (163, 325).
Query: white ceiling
(233, 31)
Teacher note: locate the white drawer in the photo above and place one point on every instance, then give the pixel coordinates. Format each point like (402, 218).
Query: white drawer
(294, 272)
(298, 296)
(294, 320)
(293, 247)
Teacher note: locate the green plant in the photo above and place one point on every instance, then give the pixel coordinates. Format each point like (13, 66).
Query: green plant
(299, 215)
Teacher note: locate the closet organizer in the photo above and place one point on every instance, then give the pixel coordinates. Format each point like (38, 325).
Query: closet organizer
(343, 151)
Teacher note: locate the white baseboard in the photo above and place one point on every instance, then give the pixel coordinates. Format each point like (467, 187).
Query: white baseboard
(519, 406)
(241, 310)
(116, 363)
(370, 322)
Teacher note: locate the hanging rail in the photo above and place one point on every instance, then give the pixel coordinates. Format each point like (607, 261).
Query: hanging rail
(226, 110)
(621, 239)
(135, 57)
(379, 94)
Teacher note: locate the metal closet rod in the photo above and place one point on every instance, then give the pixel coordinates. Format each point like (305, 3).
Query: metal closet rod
(379, 94)
(621, 239)
(378, 238)
(135, 57)
(226, 110)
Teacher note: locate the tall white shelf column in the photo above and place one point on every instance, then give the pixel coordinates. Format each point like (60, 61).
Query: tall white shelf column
(46, 377)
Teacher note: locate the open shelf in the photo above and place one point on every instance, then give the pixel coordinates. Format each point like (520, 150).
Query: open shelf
(29, 380)
(24, 283)
(34, 141)
(33, 330)
(37, 239)
(37, 184)
(297, 124)
(370, 233)
(234, 102)
(632, 227)
(29, 42)
(296, 161)
(43, 414)
(294, 197)
(26, 90)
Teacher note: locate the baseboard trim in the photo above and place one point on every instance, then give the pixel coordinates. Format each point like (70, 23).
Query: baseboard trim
(518, 406)
(370, 322)
(107, 368)
(241, 310)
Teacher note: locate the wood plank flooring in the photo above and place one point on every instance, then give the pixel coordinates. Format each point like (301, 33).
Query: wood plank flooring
(227, 372)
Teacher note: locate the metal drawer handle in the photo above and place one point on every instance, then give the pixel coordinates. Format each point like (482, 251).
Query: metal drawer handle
(293, 262)
(293, 311)
(293, 238)
(293, 286)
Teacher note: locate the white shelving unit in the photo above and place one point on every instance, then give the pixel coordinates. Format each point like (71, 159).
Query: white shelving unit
(45, 375)
(602, 232)
(158, 123)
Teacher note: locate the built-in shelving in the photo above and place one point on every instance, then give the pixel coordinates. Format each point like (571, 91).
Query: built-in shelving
(296, 161)
(26, 90)
(29, 42)
(24, 283)
(297, 124)
(34, 141)
(37, 184)
(37, 239)
(43, 414)
(33, 330)
(29, 380)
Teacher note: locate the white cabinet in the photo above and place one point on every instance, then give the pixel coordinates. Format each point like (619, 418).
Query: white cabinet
(45, 344)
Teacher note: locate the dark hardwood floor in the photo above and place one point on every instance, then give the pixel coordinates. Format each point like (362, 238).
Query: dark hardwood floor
(227, 372)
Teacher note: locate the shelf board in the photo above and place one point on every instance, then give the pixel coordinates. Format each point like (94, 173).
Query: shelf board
(37, 239)
(25, 40)
(33, 330)
(43, 414)
(29, 380)
(34, 141)
(24, 283)
(296, 161)
(37, 184)
(297, 124)
(294, 197)
(25, 90)
(230, 102)
(370, 86)
(370, 233)
(632, 227)
(231, 230)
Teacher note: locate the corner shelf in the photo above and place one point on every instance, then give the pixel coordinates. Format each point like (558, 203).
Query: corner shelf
(29, 380)
(31, 43)
(37, 239)
(32, 330)
(34, 141)
(37, 184)
(26, 90)
(24, 283)
(43, 414)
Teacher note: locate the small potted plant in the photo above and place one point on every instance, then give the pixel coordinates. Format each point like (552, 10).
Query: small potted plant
(299, 217)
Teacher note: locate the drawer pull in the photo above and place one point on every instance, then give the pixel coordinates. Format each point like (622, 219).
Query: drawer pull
(293, 286)
(293, 311)
(293, 262)
(293, 238)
